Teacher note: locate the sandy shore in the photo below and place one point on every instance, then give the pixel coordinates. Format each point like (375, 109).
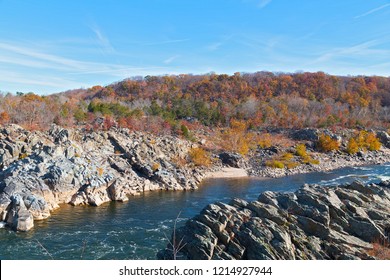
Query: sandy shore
(228, 172)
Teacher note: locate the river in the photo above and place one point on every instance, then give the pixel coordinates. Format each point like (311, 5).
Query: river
(137, 229)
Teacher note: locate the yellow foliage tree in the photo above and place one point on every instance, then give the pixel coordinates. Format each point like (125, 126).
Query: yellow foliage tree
(237, 139)
(365, 141)
(199, 157)
(327, 144)
(352, 146)
(300, 150)
(372, 142)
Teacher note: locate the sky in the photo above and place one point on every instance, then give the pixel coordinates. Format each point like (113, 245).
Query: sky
(52, 46)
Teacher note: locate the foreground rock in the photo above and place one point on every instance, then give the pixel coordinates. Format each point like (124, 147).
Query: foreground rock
(315, 222)
(41, 170)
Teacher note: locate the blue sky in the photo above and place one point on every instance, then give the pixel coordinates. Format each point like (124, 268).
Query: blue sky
(52, 46)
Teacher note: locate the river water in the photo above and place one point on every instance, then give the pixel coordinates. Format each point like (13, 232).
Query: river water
(137, 229)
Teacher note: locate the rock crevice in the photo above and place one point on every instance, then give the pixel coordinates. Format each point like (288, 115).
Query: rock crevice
(41, 170)
(315, 222)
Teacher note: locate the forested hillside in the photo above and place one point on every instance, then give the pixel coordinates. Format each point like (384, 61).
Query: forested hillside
(175, 104)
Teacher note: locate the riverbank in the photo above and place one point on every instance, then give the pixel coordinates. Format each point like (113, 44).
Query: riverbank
(314, 222)
(129, 230)
(39, 171)
(228, 172)
(327, 162)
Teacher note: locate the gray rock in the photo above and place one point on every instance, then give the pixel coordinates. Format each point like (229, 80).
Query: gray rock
(23, 221)
(308, 134)
(232, 159)
(313, 223)
(73, 166)
(384, 138)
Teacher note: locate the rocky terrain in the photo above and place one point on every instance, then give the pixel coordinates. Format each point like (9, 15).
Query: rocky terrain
(326, 161)
(315, 222)
(41, 170)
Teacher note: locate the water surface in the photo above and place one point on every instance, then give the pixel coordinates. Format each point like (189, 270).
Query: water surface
(137, 229)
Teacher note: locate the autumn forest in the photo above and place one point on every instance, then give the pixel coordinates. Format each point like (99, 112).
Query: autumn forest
(170, 104)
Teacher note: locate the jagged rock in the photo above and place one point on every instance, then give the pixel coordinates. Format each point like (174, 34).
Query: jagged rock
(232, 159)
(384, 138)
(73, 166)
(59, 134)
(267, 211)
(18, 216)
(313, 223)
(307, 134)
(23, 221)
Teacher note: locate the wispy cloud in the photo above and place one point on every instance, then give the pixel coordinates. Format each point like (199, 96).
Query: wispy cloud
(169, 60)
(115, 71)
(359, 50)
(32, 67)
(373, 11)
(214, 46)
(165, 42)
(259, 3)
(102, 39)
(39, 80)
(33, 54)
(219, 43)
(263, 3)
(28, 57)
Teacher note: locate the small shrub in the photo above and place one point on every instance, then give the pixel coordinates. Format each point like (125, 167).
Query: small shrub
(155, 166)
(363, 140)
(4, 118)
(300, 150)
(179, 161)
(327, 144)
(237, 139)
(286, 160)
(185, 131)
(23, 155)
(265, 141)
(310, 160)
(352, 146)
(380, 250)
(372, 142)
(100, 171)
(291, 164)
(287, 156)
(274, 163)
(200, 157)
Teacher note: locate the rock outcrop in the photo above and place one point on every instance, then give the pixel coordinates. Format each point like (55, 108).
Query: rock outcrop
(315, 222)
(41, 170)
(384, 138)
(232, 159)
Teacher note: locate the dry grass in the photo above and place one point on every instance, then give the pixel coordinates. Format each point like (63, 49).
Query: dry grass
(380, 250)
(200, 157)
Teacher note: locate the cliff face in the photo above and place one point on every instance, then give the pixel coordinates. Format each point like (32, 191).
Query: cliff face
(315, 222)
(39, 171)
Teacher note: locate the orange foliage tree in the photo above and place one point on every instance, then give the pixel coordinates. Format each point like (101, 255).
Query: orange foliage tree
(237, 139)
(4, 118)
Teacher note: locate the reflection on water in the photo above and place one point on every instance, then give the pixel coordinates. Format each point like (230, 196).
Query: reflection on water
(137, 229)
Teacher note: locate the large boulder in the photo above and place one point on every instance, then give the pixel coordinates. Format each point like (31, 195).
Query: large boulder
(232, 159)
(306, 134)
(18, 216)
(315, 222)
(384, 138)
